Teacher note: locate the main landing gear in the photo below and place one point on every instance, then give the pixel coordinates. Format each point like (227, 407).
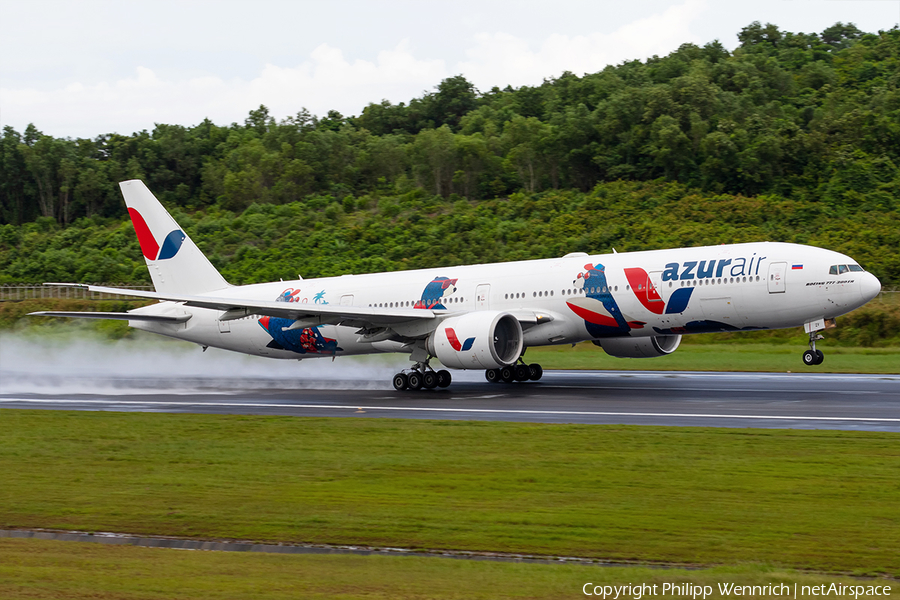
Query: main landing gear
(517, 372)
(421, 376)
(812, 356)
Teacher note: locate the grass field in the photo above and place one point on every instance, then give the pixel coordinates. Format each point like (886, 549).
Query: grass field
(760, 357)
(824, 500)
(45, 569)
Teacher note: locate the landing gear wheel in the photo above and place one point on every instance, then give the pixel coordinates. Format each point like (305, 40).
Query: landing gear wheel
(507, 374)
(429, 380)
(414, 380)
(810, 358)
(492, 375)
(813, 356)
(444, 378)
(535, 371)
(400, 382)
(522, 372)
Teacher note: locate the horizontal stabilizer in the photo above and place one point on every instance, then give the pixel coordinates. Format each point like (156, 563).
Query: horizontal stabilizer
(111, 315)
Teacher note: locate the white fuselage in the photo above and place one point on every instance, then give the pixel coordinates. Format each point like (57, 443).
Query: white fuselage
(578, 297)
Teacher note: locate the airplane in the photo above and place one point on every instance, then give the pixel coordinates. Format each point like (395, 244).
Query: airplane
(635, 304)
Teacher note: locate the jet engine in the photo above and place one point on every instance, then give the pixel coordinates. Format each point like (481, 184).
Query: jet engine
(640, 347)
(477, 340)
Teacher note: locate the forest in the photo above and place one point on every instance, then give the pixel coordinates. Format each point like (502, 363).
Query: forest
(790, 137)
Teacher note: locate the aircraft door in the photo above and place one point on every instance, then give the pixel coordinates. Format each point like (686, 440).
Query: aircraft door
(224, 326)
(347, 300)
(776, 277)
(654, 288)
(482, 296)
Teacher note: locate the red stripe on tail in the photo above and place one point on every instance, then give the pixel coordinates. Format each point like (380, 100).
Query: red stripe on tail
(145, 238)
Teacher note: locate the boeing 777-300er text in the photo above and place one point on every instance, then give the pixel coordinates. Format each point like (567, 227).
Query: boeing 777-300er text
(635, 304)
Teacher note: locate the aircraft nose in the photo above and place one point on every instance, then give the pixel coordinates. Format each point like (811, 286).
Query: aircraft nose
(869, 287)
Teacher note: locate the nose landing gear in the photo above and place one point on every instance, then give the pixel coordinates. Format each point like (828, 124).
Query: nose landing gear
(812, 356)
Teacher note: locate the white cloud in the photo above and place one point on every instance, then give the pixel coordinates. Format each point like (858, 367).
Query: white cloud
(502, 59)
(326, 80)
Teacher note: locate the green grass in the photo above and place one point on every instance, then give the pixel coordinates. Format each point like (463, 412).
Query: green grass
(764, 357)
(824, 500)
(46, 569)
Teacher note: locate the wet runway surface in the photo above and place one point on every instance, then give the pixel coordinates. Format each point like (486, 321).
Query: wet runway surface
(768, 400)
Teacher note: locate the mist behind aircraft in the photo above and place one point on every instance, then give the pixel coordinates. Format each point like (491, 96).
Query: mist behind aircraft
(77, 364)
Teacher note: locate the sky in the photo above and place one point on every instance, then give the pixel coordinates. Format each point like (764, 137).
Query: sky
(88, 67)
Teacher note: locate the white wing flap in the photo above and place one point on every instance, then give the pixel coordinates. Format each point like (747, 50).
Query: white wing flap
(111, 315)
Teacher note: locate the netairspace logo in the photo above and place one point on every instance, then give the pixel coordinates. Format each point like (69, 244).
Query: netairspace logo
(685, 590)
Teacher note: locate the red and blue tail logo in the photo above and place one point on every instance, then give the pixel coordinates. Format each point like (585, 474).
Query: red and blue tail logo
(454, 341)
(151, 249)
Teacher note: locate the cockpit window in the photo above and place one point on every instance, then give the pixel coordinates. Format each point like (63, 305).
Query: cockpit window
(842, 269)
(832, 270)
(856, 268)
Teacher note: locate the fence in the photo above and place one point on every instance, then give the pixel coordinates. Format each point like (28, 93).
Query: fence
(32, 292)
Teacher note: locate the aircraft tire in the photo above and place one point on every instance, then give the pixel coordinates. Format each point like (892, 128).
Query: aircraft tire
(523, 373)
(415, 380)
(536, 371)
(820, 357)
(400, 382)
(809, 358)
(444, 378)
(429, 380)
(492, 375)
(507, 374)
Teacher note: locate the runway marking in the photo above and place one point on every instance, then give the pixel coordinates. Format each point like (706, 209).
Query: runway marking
(450, 410)
(710, 389)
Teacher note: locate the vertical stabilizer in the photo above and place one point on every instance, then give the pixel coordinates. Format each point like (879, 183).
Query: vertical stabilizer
(175, 262)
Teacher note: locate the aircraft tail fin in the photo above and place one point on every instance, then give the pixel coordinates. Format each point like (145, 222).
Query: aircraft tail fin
(176, 264)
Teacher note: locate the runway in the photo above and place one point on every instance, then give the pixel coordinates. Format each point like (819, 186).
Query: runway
(762, 400)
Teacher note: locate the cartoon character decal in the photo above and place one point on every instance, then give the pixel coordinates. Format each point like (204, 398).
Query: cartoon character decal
(597, 307)
(308, 340)
(288, 295)
(601, 312)
(435, 292)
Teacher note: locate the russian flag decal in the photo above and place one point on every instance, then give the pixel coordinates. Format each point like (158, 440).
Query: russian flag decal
(797, 267)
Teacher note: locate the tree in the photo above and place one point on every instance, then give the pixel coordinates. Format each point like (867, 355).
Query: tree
(455, 97)
(434, 152)
(14, 179)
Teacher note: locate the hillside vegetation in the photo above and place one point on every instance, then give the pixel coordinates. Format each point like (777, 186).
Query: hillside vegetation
(791, 137)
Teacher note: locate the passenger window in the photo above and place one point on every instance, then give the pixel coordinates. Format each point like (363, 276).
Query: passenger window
(856, 269)
(832, 270)
(842, 269)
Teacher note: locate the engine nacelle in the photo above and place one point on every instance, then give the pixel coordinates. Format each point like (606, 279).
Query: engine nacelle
(477, 340)
(640, 347)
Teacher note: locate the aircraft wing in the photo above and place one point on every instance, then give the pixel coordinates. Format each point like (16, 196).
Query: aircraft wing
(235, 308)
